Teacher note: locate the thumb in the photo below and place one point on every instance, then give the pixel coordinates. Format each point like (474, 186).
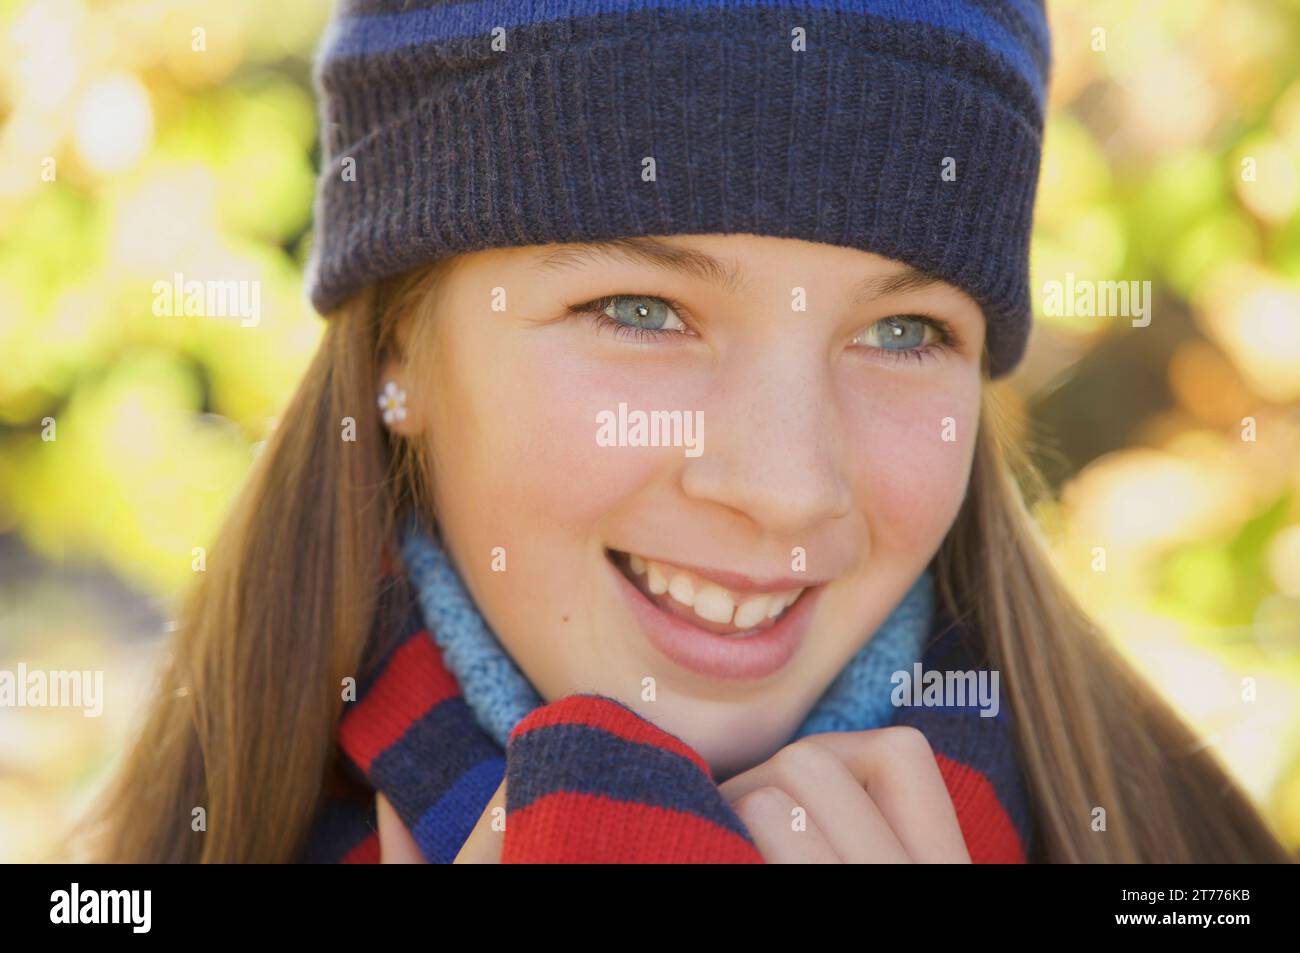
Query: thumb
(396, 845)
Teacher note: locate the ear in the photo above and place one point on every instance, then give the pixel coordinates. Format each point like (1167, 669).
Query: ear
(399, 411)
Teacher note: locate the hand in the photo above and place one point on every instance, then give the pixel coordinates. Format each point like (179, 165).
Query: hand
(867, 797)
(396, 845)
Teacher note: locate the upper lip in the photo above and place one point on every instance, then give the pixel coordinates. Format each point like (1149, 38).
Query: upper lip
(736, 582)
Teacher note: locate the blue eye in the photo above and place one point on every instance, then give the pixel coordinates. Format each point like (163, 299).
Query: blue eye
(642, 318)
(903, 332)
(641, 312)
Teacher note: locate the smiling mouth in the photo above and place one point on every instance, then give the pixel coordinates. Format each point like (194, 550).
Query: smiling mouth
(701, 602)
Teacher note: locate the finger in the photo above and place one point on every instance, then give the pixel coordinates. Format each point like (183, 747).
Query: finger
(396, 845)
(769, 816)
(484, 843)
(817, 780)
(898, 769)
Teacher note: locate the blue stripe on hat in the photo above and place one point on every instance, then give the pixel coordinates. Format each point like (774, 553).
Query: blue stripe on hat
(1033, 15)
(368, 35)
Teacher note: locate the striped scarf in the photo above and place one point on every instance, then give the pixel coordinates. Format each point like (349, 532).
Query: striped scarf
(444, 714)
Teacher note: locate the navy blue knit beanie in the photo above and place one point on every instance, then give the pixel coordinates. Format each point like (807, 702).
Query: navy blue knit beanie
(909, 128)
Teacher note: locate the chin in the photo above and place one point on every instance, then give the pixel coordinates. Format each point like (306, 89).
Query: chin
(731, 736)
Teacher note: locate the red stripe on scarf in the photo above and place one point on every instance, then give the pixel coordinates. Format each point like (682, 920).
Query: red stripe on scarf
(990, 836)
(413, 681)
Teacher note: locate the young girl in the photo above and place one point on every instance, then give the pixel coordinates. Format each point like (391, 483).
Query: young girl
(646, 500)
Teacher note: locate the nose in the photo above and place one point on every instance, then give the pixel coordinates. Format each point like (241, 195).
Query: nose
(771, 450)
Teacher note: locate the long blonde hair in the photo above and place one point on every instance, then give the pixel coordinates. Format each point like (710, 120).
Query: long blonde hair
(244, 719)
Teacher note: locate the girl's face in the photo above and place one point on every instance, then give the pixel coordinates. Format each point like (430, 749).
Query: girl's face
(694, 473)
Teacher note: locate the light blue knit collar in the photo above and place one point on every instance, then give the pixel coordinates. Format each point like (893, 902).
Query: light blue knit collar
(500, 695)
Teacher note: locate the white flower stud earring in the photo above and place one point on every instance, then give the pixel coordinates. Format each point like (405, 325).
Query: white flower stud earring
(393, 403)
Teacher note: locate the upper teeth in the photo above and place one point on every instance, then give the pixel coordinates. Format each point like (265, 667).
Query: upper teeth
(709, 600)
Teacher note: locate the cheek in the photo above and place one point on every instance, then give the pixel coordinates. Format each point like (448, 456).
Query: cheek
(524, 435)
(911, 462)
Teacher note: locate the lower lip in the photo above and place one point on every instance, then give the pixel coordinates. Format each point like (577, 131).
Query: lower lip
(722, 657)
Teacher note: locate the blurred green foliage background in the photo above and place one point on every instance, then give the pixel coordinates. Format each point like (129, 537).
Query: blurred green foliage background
(127, 155)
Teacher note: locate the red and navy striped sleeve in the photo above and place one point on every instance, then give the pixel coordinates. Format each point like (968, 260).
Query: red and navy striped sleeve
(590, 780)
(413, 737)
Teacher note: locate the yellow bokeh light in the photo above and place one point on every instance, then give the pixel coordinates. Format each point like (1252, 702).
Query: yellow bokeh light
(1255, 317)
(1284, 561)
(45, 67)
(1169, 101)
(1273, 191)
(1134, 499)
(168, 223)
(114, 123)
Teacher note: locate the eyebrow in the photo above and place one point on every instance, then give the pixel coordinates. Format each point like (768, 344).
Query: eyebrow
(728, 275)
(878, 286)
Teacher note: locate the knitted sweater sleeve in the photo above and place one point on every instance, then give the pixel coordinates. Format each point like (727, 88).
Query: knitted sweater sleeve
(589, 780)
